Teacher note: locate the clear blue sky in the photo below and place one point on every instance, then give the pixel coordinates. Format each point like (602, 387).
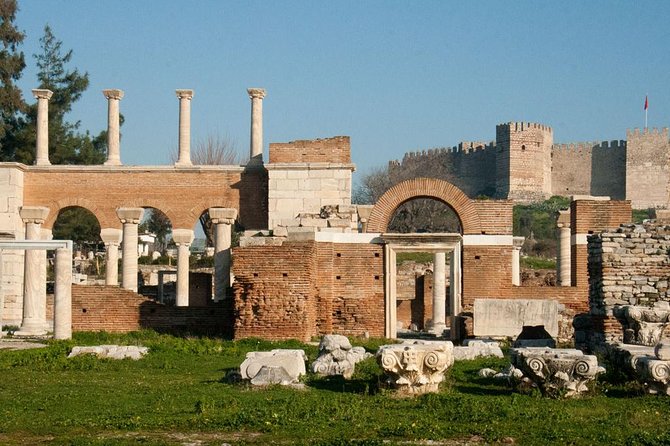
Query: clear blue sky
(396, 76)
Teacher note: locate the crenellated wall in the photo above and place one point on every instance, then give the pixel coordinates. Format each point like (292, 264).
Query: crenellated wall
(647, 167)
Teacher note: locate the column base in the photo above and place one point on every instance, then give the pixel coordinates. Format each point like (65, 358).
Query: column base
(32, 328)
(438, 329)
(183, 164)
(42, 162)
(112, 163)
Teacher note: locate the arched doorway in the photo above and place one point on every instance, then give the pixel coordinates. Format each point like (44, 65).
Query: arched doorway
(438, 243)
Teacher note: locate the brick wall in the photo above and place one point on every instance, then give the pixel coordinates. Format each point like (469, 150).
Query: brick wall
(113, 309)
(303, 289)
(328, 150)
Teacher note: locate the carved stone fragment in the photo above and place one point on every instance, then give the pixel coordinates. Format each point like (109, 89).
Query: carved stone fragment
(654, 371)
(557, 372)
(416, 367)
(644, 325)
(279, 366)
(338, 357)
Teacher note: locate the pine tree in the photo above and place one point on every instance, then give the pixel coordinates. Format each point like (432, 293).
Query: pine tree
(12, 64)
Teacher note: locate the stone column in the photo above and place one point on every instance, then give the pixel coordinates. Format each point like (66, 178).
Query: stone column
(564, 249)
(47, 234)
(223, 219)
(111, 237)
(183, 239)
(455, 283)
(113, 138)
(185, 97)
(42, 145)
(516, 260)
(34, 302)
(439, 293)
(130, 217)
(256, 146)
(63, 294)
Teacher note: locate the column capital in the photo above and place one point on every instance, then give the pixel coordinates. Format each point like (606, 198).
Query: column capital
(33, 214)
(563, 220)
(256, 93)
(42, 93)
(517, 242)
(183, 236)
(130, 215)
(222, 215)
(184, 94)
(111, 236)
(113, 94)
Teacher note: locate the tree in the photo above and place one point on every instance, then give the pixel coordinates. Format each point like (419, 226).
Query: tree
(156, 222)
(77, 224)
(12, 64)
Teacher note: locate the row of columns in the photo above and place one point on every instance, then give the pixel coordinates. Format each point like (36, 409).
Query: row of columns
(34, 292)
(114, 96)
(440, 288)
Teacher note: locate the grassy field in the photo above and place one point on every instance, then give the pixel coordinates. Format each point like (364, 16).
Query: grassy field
(178, 395)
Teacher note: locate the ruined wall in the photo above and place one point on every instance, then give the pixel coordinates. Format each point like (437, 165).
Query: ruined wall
(102, 308)
(11, 228)
(303, 289)
(304, 176)
(647, 175)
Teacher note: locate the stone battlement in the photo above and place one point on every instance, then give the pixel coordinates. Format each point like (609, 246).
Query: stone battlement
(522, 126)
(585, 146)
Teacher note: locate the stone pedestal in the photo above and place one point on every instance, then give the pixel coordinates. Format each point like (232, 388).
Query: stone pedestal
(416, 367)
(111, 237)
(113, 135)
(439, 293)
(130, 217)
(42, 144)
(557, 372)
(183, 239)
(63, 294)
(185, 97)
(256, 145)
(33, 322)
(223, 219)
(279, 366)
(564, 249)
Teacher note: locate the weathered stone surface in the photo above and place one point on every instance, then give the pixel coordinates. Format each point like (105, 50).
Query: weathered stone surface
(476, 348)
(416, 367)
(279, 366)
(654, 371)
(338, 357)
(507, 317)
(644, 325)
(111, 351)
(557, 371)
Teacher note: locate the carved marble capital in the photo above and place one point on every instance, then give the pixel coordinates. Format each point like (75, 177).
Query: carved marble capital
(42, 93)
(111, 236)
(224, 216)
(256, 93)
(113, 94)
(183, 236)
(416, 367)
(33, 214)
(130, 215)
(557, 372)
(184, 94)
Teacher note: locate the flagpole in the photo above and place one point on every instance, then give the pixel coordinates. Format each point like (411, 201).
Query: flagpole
(646, 109)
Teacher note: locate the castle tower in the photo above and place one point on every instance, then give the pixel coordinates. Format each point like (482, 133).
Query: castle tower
(647, 175)
(523, 161)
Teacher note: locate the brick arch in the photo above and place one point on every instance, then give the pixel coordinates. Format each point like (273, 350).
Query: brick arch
(56, 206)
(161, 205)
(203, 205)
(441, 190)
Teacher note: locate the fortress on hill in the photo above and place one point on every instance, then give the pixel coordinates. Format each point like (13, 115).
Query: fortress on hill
(524, 164)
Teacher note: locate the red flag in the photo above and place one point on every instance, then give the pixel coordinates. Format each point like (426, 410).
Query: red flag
(646, 103)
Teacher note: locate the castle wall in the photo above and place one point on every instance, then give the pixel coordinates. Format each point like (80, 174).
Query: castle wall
(647, 174)
(304, 176)
(589, 169)
(11, 228)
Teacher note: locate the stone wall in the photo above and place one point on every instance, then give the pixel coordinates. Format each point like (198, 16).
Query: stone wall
(647, 168)
(11, 228)
(304, 176)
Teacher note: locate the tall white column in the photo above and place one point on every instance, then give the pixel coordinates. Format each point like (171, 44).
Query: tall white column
(183, 239)
(113, 135)
(63, 294)
(46, 234)
(111, 237)
(34, 294)
(223, 219)
(516, 260)
(564, 249)
(185, 97)
(256, 146)
(130, 217)
(42, 145)
(455, 281)
(439, 293)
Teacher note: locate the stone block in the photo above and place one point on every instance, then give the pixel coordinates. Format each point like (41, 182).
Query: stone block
(507, 317)
(339, 223)
(338, 357)
(111, 351)
(279, 366)
(297, 174)
(476, 348)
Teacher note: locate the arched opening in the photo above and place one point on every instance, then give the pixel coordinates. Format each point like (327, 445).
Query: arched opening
(156, 256)
(82, 227)
(424, 215)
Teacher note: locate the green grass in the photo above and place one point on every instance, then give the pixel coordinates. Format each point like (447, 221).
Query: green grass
(178, 394)
(418, 257)
(537, 262)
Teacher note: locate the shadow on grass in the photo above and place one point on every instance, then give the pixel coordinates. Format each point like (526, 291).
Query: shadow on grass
(476, 390)
(339, 384)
